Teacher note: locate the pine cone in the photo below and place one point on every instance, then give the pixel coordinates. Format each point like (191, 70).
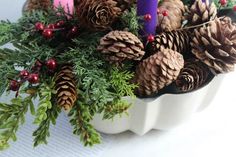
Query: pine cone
(201, 12)
(176, 40)
(157, 71)
(97, 14)
(193, 76)
(125, 5)
(215, 45)
(118, 46)
(66, 87)
(31, 5)
(173, 21)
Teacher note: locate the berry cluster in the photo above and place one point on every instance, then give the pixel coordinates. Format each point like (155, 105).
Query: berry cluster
(48, 30)
(148, 17)
(33, 77)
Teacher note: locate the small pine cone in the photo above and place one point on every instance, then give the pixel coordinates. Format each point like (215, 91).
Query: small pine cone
(31, 5)
(193, 76)
(215, 45)
(97, 14)
(157, 71)
(201, 12)
(176, 40)
(66, 87)
(125, 5)
(173, 21)
(118, 46)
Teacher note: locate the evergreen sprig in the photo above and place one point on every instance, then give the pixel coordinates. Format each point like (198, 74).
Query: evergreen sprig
(11, 117)
(100, 86)
(46, 114)
(130, 21)
(115, 108)
(80, 119)
(5, 33)
(120, 81)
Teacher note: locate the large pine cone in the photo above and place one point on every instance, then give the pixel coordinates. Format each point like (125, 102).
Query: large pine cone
(157, 71)
(125, 5)
(97, 14)
(174, 19)
(215, 45)
(201, 12)
(118, 46)
(31, 5)
(193, 76)
(66, 87)
(176, 40)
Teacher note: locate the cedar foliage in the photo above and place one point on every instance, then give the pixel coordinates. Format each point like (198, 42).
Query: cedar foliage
(100, 86)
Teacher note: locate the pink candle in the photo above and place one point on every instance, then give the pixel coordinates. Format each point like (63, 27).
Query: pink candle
(68, 5)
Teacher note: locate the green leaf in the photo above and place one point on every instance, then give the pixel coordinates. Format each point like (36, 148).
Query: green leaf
(32, 108)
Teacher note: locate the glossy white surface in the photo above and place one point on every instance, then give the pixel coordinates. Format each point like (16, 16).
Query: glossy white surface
(163, 113)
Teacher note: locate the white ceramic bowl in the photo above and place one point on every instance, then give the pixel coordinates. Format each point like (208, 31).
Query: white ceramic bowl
(162, 113)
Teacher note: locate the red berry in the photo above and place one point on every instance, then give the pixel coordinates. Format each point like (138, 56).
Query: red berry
(39, 26)
(151, 38)
(59, 24)
(33, 78)
(165, 13)
(50, 26)
(147, 17)
(47, 33)
(223, 2)
(14, 85)
(24, 74)
(234, 8)
(74, 30)
(51, 64)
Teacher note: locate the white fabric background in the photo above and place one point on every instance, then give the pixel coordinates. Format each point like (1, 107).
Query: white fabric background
(209, 133)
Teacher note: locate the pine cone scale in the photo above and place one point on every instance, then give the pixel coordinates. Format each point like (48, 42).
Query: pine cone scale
(97, 14)
(118, 46)
(176, 40)
(175, 10)
(214, 45)
(201, 12)
(157, 71)
(193, 76)
(66, 87)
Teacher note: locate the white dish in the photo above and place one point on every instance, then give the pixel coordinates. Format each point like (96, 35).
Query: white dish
(162, 113)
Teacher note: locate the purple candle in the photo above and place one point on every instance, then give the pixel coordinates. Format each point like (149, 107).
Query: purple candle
(148, 7)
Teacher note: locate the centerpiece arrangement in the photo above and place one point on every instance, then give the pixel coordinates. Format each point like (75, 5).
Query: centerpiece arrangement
(85, 56)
